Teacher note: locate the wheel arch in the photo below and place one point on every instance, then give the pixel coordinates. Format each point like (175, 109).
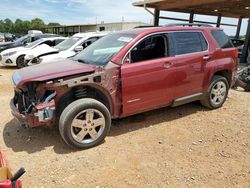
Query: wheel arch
(85, 91)
(225, 73)
(17, 59)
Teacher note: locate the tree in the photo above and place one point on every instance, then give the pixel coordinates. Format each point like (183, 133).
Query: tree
(37, 24)
(53, 24)
(1, 26)
(21, 27)
(8, 25)
(26, 26)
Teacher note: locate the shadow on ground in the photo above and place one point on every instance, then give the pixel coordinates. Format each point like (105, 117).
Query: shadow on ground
(7, 68)
(33, 140)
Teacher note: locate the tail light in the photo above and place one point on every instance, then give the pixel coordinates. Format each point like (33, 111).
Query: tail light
(235, 53)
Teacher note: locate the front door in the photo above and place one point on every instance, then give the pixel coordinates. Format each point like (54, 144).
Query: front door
(147, 76)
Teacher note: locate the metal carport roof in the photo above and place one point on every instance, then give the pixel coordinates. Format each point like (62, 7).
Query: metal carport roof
(221, 8)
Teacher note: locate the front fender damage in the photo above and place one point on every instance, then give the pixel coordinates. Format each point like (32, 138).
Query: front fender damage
(37, 102)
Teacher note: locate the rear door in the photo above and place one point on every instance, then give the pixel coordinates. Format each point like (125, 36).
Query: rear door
(191, 55)
(147, 76)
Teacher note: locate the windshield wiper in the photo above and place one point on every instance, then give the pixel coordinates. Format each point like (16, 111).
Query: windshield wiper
(81, 61)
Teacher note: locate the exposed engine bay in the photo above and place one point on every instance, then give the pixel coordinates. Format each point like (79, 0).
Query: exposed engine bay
(39, 105)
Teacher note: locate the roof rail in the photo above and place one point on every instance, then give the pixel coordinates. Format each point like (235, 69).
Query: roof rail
(145, 26)
(188, 24)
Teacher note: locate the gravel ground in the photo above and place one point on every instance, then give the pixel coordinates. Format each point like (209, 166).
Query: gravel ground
(187, 146)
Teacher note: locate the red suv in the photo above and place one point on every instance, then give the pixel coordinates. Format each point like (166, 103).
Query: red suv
(122, 74)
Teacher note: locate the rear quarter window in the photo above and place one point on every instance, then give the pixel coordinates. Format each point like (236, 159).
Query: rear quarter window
(222, 39)
(188, 42)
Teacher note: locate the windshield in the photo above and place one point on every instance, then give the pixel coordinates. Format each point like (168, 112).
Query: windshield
(102, 51)
(30, 45)
(65, 45)
(20, 40)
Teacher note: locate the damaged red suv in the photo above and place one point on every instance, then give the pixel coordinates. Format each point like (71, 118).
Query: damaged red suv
(122, 74)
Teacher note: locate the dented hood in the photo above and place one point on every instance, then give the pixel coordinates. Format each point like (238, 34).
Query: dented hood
(49, 71)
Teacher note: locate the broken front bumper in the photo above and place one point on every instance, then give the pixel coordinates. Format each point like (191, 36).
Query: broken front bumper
(18, 116)
(28, 120)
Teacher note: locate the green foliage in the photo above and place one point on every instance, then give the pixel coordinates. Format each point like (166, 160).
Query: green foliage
(22, 27)
(8, 25)
(53, 24)
(37, 24)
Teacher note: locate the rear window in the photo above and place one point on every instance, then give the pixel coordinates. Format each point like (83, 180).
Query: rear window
(189, 42)
(222, 39)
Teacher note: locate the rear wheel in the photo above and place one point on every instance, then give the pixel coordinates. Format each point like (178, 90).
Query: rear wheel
(217, 93)
(20, 62)
(84, 123)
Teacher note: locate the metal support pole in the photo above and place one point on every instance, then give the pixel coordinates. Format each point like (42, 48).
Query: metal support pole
(156, 17)
(237, 36)
(246, 45)
(191, 17)
(218, 21)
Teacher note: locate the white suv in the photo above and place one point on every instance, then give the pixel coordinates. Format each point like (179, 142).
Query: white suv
(66, 49)
(15, 56)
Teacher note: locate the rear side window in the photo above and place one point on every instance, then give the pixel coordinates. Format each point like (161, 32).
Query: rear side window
(189, 42)
(222, 39)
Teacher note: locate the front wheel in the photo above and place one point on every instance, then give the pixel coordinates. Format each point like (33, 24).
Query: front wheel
(84, 123)
(20, 62)
(217, 93)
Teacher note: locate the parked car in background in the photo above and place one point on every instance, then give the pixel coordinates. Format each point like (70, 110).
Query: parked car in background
(24, 40)
(67, 48)
(15, 56)
(8, 37)
(122, 74)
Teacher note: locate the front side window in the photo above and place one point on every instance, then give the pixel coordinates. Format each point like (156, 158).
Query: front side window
(49, 43)
(150, 48)
(188, 42)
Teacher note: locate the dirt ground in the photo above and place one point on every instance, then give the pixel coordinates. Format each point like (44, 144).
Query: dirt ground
(187, 146)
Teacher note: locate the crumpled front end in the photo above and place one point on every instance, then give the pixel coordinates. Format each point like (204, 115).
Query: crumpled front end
(32, 109)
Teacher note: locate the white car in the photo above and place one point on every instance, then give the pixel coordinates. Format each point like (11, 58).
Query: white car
(15, 56)
(66, 49)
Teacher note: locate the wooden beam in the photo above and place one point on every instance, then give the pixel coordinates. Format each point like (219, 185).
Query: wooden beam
(218, 21)
(168, 4)
(191, 17)
(156, 17)
(245, 50)
(232, 8)
(238, 28)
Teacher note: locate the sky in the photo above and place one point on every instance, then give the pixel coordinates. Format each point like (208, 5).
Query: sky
(90, 11)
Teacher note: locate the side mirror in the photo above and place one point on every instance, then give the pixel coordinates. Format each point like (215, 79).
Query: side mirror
(78, 49)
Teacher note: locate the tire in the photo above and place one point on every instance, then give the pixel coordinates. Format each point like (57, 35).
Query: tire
(20, 62)
(215, 98)
(79, 123)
